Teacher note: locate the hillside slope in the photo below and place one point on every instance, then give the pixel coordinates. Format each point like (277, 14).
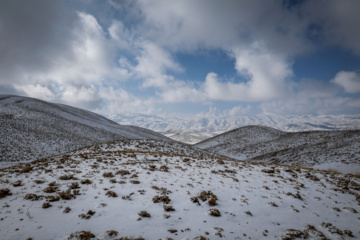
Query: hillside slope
(32, 129)
(324, 149)
(147, 189)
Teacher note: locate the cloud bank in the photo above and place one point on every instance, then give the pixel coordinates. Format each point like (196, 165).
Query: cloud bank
(122, 56)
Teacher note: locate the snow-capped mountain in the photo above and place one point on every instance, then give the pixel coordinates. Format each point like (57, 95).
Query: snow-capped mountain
(338, 149)
(185, 128)
(149, 189)
(32, 129)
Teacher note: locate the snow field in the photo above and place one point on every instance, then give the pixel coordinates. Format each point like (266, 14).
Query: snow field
(255, 200)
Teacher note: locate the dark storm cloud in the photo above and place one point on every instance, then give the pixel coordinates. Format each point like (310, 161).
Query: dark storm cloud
(32, 34)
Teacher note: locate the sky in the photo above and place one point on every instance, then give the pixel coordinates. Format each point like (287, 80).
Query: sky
(161, 57)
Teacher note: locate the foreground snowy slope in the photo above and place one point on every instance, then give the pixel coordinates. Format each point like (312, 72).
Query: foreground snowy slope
(31, 129)
(324, 149)
(147, 189)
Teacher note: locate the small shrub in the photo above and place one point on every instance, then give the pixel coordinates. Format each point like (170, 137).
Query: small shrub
(123, 172)
(67, 210)
(66, 177)
(215, 212)
(164, 168)
(32, 197)
(46, 205)
(17, 183)
(83, 235)
(74, 185)
(249, 213)
(212, 202)
(205, 196)
(220, 161)
(53, 184)
(163, 199)
(112, 233)
(273, 204)
(168, 208)
(4, 192)
(108, 175)
(87, 215)
(50, 189)
(26, 169)
(111, 194)
(86, 181)
(66, 196)
(38, 181)
(144, 214)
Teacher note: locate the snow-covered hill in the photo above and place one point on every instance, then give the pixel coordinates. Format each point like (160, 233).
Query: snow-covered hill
(148, 189)
(32, 129)
(184, 128)
(322, 149)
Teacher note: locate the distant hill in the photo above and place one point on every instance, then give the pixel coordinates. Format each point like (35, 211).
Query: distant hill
(324, 149)
(32, 129)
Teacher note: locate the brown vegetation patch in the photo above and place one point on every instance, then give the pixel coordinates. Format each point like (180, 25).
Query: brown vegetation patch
(108, 175)
(214, 212)
(83, 235)
(111, 194)
(86, 181)
(123, 172)
(46, 205)
(4, 192)
(163, 199)
(32, 197)
(144, 214)
(168, 208)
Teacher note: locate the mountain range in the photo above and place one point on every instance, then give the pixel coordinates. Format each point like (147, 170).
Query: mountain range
(193, 129)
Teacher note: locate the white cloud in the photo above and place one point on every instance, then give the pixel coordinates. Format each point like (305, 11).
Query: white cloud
(153, 64)
(350, 81)
(118, 101)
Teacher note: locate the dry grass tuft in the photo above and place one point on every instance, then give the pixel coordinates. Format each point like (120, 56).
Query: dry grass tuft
(205, 196)
(66, 196)
(66, 177)
(86, 181)
(144, 214)
(38, 181)
(112, 233)
(74, 185)
(214, 212)
(46, 205)
(168, 208)
(123, 172)
(50, 189)
(111, 194)
(32, 197)
(108, 175)
(83, 235)
(163, 199)
(17, 183)
(4, 192)
(67, 210)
